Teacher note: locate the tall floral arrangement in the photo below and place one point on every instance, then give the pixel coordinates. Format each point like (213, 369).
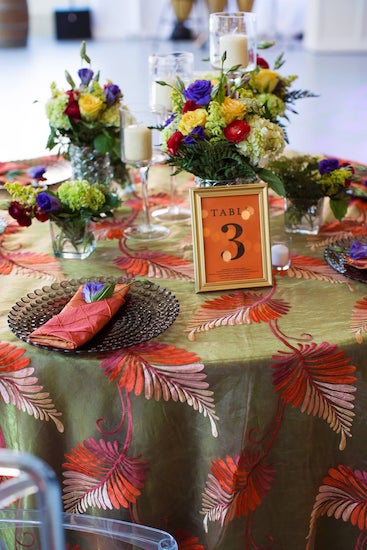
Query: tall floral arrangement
(85, 114)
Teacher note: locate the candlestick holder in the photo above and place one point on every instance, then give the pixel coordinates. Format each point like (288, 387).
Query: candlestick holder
(235, 35)
(168, 68)
(137, 151)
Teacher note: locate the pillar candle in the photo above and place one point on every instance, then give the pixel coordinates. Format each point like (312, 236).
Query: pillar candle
(137, 143)
(161, 95)
(235, 46)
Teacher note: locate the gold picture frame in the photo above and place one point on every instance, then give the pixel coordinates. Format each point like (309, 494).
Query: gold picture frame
(231, 224)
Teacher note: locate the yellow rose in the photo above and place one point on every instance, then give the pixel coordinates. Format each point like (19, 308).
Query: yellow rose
(232, 109)
(90, 106)
(266, 80)
(191, 119)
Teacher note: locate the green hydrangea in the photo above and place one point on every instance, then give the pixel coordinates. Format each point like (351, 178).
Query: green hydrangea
(215, 121)
(331, 182)
(24, 194)
(79, 195)
(111, 116)
(272, 104)
(264, 142)
(55, 108)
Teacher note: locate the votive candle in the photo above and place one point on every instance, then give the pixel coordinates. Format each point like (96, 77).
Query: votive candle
(236, 48)
(280, 256)
(138, 143)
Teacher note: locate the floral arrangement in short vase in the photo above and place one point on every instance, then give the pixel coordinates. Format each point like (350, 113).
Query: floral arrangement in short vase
(307, 180)
(85, 122)
(225, 129)
(220, 137)
(69, 210)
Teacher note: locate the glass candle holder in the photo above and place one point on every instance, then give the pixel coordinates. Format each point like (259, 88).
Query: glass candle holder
(281, 252)
(166, 68)
(235, 35)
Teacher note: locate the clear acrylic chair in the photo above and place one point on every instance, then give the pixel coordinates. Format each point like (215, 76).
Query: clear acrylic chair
(46, 525)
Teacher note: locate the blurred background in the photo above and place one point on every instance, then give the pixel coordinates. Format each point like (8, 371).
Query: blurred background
(324, 41)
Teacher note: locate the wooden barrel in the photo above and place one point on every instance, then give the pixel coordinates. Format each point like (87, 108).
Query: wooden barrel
(14, 22)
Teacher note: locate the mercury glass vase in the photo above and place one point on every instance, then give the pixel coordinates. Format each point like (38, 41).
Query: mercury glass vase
(303, 215)
(200, 182)
(72, 239)
(89, 164)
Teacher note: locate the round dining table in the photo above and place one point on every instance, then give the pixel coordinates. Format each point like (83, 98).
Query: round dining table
(237, 420)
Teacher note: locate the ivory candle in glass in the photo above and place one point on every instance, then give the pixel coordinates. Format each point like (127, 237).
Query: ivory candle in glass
(161, 95)
(138, 143)
(281, 253)
(235, 46)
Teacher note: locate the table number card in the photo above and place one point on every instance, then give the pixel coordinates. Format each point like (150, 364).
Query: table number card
(231, 237)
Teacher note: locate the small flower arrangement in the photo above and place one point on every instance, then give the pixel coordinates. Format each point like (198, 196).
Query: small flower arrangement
(310, 177)
(87, 114)
(73, 200)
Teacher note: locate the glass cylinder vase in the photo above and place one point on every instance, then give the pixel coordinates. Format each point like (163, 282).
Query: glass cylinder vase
(89, 164)
(303, 215)
(72, 239)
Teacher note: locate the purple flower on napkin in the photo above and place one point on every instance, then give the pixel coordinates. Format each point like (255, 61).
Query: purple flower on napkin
(93, 291)
(85, 76)
(328, 165)
(48, 203)
(111, 92)
(358, 250)
(36, 172)
(199, 91)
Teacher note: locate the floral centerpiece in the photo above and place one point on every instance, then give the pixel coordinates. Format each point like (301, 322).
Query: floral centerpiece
(69, 210)
(224, 130)
(307, 180)
(86, 115)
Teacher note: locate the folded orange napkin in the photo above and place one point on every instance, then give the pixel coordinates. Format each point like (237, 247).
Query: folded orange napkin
(79, 321)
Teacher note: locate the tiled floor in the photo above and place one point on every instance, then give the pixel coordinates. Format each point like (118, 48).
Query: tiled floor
(334, 123)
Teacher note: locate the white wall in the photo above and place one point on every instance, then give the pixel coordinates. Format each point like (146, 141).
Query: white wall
(113, 19)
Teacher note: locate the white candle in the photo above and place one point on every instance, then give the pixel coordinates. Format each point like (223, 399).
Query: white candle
(161, 95)
(137, 143)
(235, 46)
(279, 255)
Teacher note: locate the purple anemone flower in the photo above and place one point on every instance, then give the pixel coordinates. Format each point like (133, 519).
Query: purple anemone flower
(328, 165)
(199, 92)
(111, 92)
(196, 135)
(48, 203)
(85, 76)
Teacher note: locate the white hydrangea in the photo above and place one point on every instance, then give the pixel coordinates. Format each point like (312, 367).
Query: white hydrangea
(264, 142)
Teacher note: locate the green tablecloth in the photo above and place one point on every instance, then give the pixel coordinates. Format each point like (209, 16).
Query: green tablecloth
(226, 438)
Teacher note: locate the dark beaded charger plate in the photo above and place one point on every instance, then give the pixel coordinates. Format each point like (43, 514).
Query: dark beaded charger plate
(147, 312)
(336, 253)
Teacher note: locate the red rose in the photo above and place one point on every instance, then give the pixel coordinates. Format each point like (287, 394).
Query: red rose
(237, 131)
(173, 142)
(20, 214)
(261, 62)
(190, 105)
(72, 108)
(40, 214)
